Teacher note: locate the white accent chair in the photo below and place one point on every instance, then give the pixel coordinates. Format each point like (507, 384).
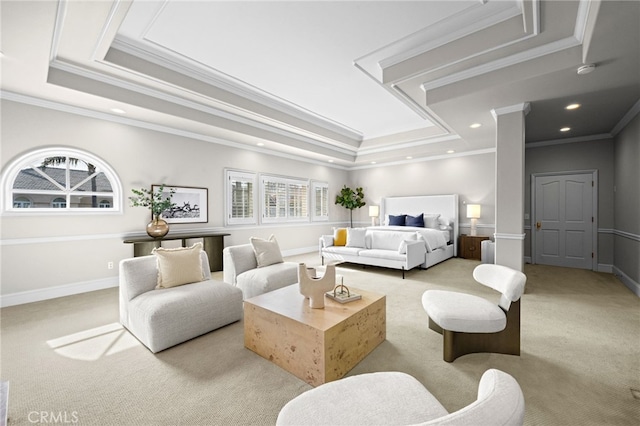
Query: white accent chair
(161, 318)
(472, 324)
(240, 269)
(394, 398)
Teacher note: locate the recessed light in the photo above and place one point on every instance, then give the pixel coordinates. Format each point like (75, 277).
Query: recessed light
(118, 111)
(331, 161)
(450, 151)
(572, 106)
(260, 144)
(373, 162)
(475, 125)
(409, 157)
(565, 129)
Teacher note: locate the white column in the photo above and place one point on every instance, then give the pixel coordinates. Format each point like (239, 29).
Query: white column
(509, 220)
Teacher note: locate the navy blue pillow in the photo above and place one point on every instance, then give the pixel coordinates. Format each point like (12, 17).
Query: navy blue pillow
(415, 221)
(397, 220)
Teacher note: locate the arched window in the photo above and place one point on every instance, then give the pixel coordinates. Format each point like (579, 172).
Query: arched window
(21, 203)
(60, 180)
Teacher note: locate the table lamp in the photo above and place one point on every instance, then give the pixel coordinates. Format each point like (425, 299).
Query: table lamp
(374, 211)
(473, 213)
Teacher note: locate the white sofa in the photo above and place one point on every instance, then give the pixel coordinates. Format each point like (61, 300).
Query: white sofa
(161, 318)
(240, 268)
(389, 249)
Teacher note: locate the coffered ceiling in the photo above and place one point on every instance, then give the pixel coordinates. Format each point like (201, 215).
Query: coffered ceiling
(347, 82)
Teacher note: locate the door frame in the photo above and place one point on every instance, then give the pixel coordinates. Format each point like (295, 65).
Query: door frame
(594, 207)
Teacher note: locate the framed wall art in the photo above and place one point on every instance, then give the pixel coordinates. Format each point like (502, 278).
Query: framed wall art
(190, 204)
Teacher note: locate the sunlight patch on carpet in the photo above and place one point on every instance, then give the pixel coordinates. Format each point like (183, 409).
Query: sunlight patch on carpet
(92, 344)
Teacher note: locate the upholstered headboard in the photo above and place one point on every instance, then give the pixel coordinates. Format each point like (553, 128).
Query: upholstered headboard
(445, 205)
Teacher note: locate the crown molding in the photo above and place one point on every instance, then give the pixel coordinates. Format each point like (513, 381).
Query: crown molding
(552, 142)
(522, 107)
(635, 109)
(255, 121)
(173, 61)
(426, 159)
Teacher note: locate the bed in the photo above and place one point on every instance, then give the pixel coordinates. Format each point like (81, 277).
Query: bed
(440, 215)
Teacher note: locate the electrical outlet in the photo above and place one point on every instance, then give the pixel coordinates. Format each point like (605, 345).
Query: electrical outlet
(109, 265)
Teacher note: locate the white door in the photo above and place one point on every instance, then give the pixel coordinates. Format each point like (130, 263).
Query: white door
(564, 220)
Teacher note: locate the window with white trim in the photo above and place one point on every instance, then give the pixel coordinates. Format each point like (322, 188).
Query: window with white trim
(59, 181)
(241, 198)
(284, 199)
(319, 201)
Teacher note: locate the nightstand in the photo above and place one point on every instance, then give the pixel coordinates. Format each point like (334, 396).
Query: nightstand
(470, 246)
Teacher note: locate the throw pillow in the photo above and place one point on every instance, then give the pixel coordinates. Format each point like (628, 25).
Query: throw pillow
(178, 266)
(397, 220)
(339, 236)
(267, 251)
(415, 221)
(356, 237)
(431, 221)
(403, 247)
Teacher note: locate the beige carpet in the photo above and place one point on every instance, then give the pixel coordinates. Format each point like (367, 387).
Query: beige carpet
(67, 359)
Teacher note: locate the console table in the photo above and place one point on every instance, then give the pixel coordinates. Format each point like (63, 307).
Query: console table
(213, 244)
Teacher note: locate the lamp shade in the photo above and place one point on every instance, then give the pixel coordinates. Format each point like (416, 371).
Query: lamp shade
(473, 211)
(374, 211)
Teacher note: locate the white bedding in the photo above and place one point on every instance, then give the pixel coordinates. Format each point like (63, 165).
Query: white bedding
(434, 238)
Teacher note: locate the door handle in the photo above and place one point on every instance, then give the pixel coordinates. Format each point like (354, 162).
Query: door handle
(538, 225)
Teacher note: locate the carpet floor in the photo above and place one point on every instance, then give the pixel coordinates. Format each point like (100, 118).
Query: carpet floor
(68, 360)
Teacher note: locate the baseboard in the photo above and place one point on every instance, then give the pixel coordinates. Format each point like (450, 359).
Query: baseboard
(303, 250)
(54, 292)
(602, 267)
(527, 259)
(627, 281)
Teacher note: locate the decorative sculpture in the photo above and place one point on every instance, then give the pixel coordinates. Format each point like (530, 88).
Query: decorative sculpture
(315, 288)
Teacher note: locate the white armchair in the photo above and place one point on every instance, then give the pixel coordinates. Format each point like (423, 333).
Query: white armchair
(393, 398)
(472, 324)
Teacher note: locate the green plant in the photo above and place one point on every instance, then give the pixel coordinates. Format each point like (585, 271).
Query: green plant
(350, 199)
(154, 201)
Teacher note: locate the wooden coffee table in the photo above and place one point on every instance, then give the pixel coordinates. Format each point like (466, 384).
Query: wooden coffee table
(316, 345)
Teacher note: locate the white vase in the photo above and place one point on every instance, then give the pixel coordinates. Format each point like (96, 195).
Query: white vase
(315, 288)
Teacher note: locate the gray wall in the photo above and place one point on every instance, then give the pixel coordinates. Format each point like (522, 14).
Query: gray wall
(44, 251)
(594, 155)
(627, 205)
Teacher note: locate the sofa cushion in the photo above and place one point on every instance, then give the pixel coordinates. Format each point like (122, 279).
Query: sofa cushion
(267, 252)
(415, 220)
(463, 312)
(389, 240)
(262, 280)
(339, 236)
(350, 251)
(164, 318)
(178, 266)
(383, 254)
(356, 237)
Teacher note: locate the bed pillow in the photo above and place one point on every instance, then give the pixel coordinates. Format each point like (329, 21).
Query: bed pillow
(431, 221)
(339, 236)
(356, 237)
(267, 251)
(415, 221)
(178, 266)
(397, 220)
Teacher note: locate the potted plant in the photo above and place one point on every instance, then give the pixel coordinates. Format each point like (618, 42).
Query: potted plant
(350, 199)
(157, 203)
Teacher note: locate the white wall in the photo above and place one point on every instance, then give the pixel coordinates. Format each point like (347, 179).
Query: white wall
(471, 177)
(46, 256)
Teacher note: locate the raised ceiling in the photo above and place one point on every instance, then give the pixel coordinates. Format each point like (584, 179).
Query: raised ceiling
(348, 82)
